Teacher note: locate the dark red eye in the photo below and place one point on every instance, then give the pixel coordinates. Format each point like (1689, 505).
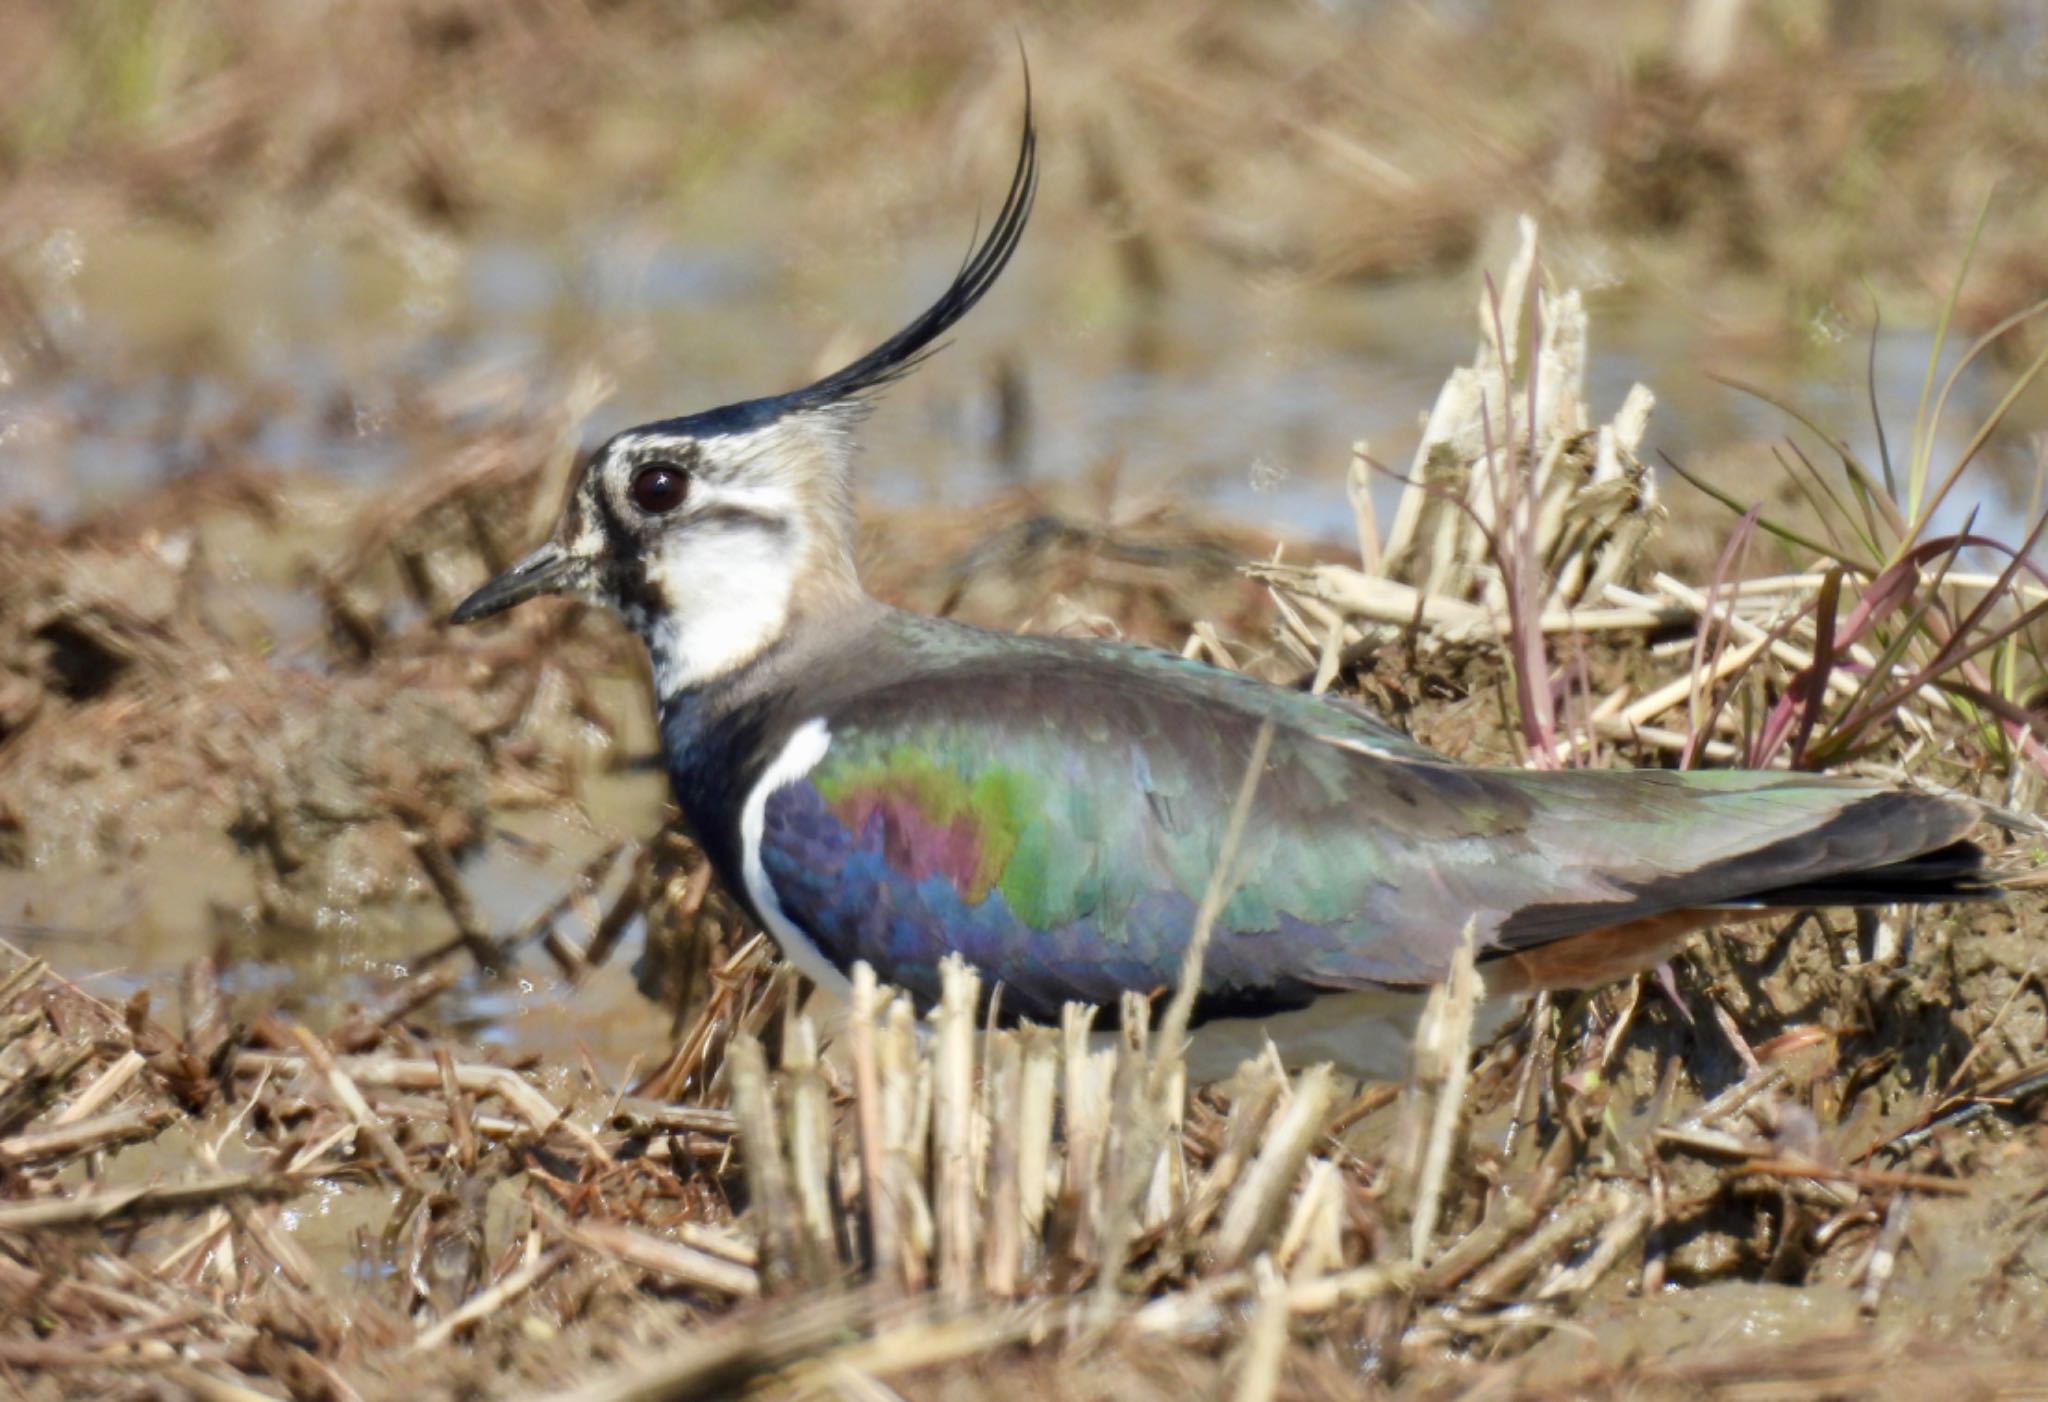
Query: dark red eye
(660, 487)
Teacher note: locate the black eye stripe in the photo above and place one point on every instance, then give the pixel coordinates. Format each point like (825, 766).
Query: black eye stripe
(625, 572)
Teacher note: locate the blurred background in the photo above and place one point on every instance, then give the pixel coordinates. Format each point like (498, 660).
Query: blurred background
(249, 231)
(306, 308)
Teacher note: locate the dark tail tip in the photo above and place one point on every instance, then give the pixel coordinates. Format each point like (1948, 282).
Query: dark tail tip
(1956, 872)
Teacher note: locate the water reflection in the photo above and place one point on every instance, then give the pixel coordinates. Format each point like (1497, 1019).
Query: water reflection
(302, 355)
(1196, 387)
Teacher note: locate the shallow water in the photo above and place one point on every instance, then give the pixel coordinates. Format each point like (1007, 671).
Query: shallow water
(1239, 397)
(1242, 399)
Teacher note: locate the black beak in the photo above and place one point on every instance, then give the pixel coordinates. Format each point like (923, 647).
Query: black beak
(546, 571)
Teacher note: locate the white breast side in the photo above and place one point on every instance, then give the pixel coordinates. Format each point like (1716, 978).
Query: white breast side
(799, 757)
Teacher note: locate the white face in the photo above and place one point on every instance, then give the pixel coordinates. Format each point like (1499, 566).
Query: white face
(701, 544)
(715, 534)
(728, 591)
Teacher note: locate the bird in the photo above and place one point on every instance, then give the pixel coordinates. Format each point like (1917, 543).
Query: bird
(878, 785)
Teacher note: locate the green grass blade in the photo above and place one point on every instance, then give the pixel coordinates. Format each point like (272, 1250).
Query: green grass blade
(1782, 532)
(1984, 432)
(1923, 430)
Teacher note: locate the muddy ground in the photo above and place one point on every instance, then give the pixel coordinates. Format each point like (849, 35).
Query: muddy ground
(240, 846)
(362, 1031)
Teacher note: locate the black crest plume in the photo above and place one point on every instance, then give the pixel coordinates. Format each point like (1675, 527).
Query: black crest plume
(915, 343)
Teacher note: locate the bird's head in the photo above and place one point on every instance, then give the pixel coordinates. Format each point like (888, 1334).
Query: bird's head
(713, 534)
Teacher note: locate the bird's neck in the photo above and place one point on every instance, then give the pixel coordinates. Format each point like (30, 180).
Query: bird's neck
(718, 731)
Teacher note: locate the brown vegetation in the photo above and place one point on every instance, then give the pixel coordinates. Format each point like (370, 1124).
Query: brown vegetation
(262, 818)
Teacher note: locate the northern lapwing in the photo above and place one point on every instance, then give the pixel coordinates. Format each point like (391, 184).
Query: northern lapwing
(879, 785)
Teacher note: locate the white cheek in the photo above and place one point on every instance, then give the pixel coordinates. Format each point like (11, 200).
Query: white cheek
(726, 595)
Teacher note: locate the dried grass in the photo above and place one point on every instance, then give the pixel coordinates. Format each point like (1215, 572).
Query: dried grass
(257, 1204)
(897, 1204)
